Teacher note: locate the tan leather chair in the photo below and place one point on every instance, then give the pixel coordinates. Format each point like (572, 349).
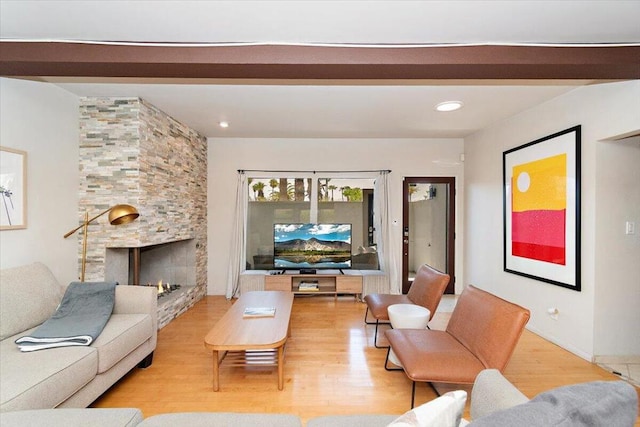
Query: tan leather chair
(481, 334)
(426, 290)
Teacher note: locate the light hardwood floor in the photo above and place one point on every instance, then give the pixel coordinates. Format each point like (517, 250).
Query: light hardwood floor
(331, 367)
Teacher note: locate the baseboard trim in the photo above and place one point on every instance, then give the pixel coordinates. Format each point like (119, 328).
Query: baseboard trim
(586, 356)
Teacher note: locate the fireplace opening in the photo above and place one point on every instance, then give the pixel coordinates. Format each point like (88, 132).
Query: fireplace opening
(173, 263)
(169, 267)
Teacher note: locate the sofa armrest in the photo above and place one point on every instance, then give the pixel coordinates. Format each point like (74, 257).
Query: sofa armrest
(493, 392)
(137, 300)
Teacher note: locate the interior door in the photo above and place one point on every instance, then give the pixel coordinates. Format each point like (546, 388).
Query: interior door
(428, 227)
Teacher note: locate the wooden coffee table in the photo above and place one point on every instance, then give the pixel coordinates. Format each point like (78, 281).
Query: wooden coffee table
(251, 341)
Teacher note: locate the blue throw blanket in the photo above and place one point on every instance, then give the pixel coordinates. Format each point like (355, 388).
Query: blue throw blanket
(81, 316)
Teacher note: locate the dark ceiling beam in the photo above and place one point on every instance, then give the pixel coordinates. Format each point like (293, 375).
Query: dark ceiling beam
(65, 59)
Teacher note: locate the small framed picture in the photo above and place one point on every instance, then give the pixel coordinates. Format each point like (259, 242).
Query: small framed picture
(13, 189)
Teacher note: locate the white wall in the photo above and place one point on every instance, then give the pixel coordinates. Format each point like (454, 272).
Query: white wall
(408, 157)
(603, 111)
(42, 120)
(617, 298)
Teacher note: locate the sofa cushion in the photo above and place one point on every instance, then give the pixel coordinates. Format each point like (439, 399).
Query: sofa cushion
(30, 295)
(71, 417)
(122, 334)
(364, 420)
(597, 403)
(492, 392)
(222, 419)
(44, 378)
(445, 411)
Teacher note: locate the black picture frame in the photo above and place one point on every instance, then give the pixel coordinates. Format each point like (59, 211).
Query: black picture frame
(541, 209)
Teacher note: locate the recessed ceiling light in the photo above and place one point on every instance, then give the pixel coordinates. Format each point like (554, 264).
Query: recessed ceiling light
(223, 124)
(449, 106)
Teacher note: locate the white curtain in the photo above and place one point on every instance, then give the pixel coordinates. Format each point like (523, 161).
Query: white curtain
(382, 230)
(238, 250)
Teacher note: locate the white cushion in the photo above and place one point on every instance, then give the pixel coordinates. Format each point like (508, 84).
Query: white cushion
(445, 411)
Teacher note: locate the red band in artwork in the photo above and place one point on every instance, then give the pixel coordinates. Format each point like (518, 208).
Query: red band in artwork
(552, 254)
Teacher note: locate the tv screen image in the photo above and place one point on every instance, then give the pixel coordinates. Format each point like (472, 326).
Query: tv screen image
(309, 246)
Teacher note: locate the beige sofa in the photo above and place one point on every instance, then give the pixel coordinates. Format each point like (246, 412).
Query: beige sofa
(495, 402)
(68, 376)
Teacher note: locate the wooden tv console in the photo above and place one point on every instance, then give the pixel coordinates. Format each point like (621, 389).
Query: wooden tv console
(332, 284)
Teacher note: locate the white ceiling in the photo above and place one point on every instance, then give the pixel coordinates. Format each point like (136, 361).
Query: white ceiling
(282, 109)
(312, 111)
(306, 21)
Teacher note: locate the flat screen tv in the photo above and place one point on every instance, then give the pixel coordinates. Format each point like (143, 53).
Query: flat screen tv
(311, 246)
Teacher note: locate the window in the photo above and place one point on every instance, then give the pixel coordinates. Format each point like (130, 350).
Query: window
(302, 200)
(271, 201)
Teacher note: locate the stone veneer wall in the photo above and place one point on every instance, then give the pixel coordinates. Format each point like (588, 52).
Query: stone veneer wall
(131, 152)
(169, 310)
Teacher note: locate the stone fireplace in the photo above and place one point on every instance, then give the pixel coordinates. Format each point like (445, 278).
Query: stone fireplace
(169, 267)
(133, 153)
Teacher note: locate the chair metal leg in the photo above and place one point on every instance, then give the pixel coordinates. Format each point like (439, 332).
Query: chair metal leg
(366, 313)
(386, 362)
(375, 336)
(413, 392)
(377, 322)
(435, 389)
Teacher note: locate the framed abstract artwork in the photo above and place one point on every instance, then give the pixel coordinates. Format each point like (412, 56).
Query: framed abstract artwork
(541, 207)
(13, 189)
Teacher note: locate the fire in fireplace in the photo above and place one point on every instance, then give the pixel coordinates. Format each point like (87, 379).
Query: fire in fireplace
(165, 288)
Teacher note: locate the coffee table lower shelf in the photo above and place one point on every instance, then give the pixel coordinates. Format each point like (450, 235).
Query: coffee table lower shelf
(243, 358)
(250, 358)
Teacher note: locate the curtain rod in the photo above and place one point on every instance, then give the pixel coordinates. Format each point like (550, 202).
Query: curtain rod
(314, 172)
